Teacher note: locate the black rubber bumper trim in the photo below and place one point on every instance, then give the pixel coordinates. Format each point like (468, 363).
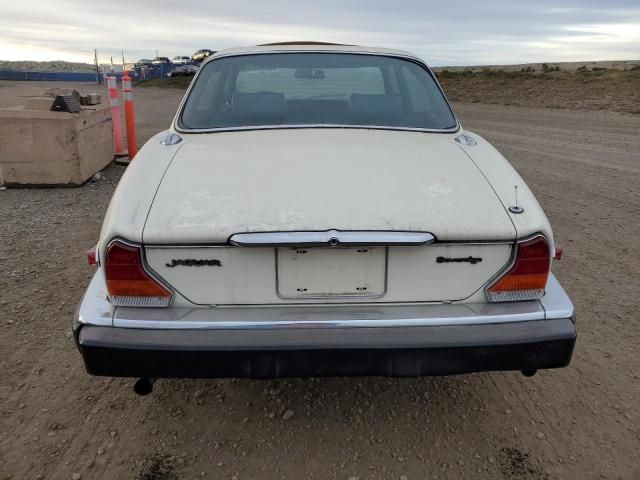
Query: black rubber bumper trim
(124, 352)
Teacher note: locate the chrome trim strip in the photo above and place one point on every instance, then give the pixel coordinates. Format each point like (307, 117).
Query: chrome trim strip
(411, 58)
(348, 318)
(226, 245)
(556, 302)
(529, 332)
(407, 56)
(187, 245)
(95, 309)
(316, 125)
(331, 238)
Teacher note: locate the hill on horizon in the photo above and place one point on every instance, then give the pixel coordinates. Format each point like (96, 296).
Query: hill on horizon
(64, 66)
(53, 65)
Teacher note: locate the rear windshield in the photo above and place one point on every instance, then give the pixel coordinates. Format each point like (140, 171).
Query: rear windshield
(315, 89)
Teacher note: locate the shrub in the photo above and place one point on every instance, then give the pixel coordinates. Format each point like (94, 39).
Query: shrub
(445, 74)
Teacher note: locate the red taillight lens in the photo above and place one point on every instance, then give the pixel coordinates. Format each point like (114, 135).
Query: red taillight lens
(92, 256)
(527, 277)
(558, 249)
(127, 282)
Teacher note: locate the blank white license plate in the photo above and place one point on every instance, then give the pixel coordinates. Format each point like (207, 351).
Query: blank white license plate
(331, 272)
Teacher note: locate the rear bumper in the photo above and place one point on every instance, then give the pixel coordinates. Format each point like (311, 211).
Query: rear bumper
(376, 340)
(440, 350)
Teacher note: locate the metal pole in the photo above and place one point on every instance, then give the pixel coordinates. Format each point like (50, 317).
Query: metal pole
(95, 61)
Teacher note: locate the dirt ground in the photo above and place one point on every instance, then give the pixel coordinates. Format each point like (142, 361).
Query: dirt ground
(612, 90)
(581, 422)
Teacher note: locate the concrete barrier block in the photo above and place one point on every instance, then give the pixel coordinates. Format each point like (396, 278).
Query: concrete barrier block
(39, 147)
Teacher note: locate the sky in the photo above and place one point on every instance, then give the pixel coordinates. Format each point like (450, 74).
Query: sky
(464, 32)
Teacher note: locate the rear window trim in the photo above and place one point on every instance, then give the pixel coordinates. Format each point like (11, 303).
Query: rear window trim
(178, 127)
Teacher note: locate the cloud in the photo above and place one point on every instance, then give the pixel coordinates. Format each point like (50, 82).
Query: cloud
(464, 33)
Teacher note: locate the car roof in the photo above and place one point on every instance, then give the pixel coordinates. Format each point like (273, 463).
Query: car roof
(310, 47)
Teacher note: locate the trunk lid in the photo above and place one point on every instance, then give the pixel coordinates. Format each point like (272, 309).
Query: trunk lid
(319, 179)
(310, 180)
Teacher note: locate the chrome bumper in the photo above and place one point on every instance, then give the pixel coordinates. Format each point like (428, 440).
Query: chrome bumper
(96, 310)
(284, 341)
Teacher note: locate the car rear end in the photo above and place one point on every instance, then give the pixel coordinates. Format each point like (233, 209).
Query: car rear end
(303, 250)
(141, 323)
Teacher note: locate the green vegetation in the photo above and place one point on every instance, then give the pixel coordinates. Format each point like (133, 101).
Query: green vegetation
(546, 68)
(596, 88)
(485, 73)
(170, 82)
(595, 71)
(548, 72)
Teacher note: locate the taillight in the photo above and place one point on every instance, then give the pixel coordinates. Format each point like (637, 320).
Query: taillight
(128, 284)
(527, 277)
(92, 256)
(558, 249)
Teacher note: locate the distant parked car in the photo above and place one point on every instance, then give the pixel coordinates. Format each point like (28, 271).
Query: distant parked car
(200, 55)
(143, 61)
(183, 71)
(180, 60)
(160, 60)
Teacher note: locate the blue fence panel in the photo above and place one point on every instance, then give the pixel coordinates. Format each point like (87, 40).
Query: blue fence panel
(151, 72)
(141, 73)
(39, 75)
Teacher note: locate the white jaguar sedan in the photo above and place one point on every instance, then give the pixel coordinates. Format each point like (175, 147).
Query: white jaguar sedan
(318, 210)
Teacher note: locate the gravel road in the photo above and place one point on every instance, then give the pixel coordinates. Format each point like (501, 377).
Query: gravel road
(581, 422)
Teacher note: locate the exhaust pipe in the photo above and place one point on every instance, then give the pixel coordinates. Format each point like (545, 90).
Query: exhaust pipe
(529, 373)
(144, 386)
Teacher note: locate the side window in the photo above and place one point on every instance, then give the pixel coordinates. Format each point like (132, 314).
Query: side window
(418, 94)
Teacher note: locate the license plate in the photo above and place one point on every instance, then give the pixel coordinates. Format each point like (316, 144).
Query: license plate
(331, 272)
